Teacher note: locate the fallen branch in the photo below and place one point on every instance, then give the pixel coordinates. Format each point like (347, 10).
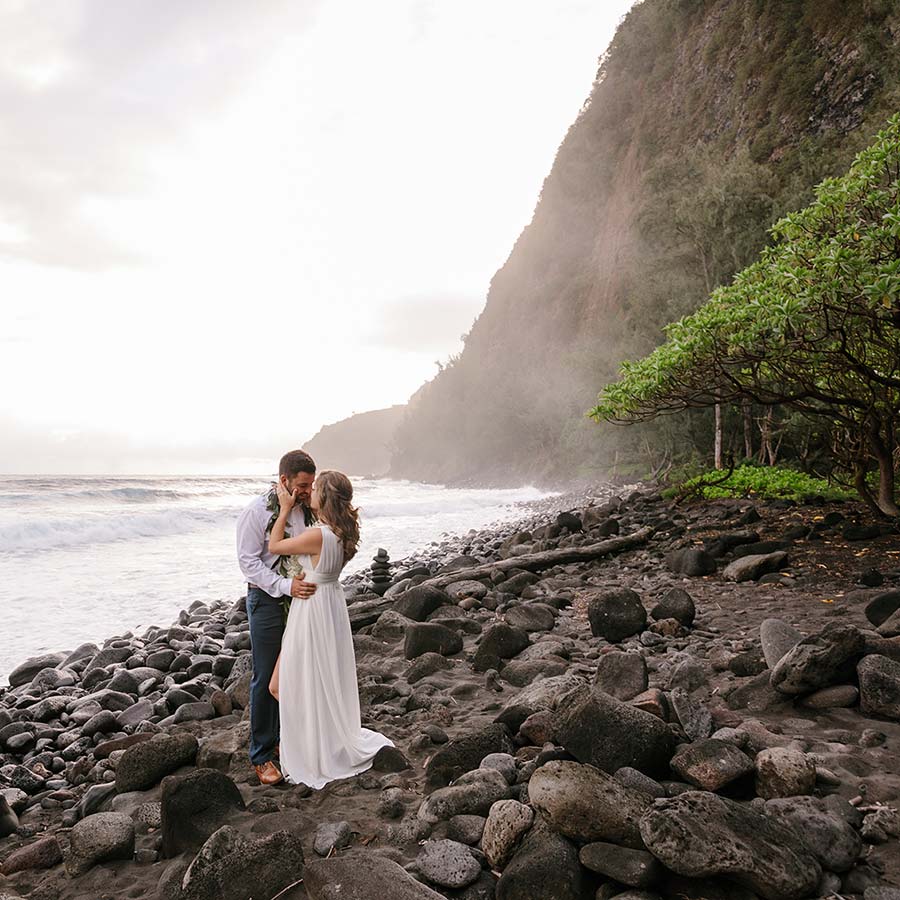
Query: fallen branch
(533, 562)
(285, 890)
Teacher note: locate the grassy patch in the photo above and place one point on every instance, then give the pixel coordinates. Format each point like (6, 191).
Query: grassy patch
(760, 481)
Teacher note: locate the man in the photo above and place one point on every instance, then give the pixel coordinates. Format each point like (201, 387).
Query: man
(265, 588)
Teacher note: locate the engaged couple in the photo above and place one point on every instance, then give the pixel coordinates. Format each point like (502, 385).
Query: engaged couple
(292, 544)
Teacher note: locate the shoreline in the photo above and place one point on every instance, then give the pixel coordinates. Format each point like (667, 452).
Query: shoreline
(94, 735)
(142, 619)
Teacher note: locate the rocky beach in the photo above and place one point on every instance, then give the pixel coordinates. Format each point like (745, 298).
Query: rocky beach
(613, 696)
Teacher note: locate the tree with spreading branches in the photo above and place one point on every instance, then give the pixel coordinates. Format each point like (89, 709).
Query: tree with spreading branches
(813, 325)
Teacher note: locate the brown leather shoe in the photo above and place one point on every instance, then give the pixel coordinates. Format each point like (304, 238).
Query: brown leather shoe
(268, 773)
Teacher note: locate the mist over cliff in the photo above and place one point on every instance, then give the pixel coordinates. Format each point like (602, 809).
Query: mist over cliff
(708, 119)
(358, 445)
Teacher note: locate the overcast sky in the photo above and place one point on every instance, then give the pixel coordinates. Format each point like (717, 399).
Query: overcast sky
(224, 224)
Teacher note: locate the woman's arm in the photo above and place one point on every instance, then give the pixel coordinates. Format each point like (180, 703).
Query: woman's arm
(309, 541)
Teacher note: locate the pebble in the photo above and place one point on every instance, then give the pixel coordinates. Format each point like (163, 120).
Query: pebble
(332, 836)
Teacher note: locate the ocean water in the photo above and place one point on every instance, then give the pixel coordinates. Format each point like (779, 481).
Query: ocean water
(85, 558)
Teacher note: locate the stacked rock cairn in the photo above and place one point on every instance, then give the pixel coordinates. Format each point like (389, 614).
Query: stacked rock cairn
(381, 572)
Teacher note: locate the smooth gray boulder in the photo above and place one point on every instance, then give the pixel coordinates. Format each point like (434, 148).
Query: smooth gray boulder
(636, 868)
(616, 614)
(751, 568)
(24, 672)
(498, 642)
(828, 835)
(609, 734)
(676, 603)
(472, 794)
(694, 716)
(466, 753)
(419, 602)
(882, 606)
(521, 672)
(259, 868)
(98, 838)
(144, 765)
(691, 561)
(547, 693)
(362, 876)
(890, 627)
(193, 806)
(425, 637)
(585, 804)
(331, 836)
(621, 674)
(545, 867)
(777, 638)
(828, 657)
(531, 617)
(784, 772)
(220, 844)
(711, 764)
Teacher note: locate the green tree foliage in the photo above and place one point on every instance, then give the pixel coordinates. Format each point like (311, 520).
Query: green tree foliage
(813, 325)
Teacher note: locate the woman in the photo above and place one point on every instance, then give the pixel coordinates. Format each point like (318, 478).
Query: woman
(315, 677)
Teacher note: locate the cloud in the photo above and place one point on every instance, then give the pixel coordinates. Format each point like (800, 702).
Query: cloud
(28, 449)
(428, 323)
(92, 91)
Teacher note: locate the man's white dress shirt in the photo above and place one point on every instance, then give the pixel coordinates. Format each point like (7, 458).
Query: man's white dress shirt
(253, 546)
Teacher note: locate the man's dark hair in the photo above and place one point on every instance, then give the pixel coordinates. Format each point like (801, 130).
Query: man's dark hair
(295, 461)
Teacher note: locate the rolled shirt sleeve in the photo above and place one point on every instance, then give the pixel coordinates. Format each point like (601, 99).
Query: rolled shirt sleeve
(253, 552)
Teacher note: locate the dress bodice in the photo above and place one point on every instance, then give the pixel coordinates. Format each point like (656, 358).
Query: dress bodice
(331, 559)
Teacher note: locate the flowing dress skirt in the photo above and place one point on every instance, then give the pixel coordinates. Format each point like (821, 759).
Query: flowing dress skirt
(321, 735)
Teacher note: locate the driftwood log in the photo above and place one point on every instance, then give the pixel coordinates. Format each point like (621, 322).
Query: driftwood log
(533, 562)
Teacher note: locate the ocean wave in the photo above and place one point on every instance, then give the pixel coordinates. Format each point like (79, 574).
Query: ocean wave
(429, 500)
(50, 534)
(129, 493)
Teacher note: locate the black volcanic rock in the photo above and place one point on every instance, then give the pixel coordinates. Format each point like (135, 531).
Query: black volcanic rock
(691, 561)
(609, 734)
(194, 806)
(616, 614)
(419, 602)
(700, 834)
(465, 753)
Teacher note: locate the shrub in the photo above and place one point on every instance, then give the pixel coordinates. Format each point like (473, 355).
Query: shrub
(759, 481)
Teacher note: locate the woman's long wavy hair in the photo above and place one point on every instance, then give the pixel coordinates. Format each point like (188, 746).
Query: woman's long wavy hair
(336, 509)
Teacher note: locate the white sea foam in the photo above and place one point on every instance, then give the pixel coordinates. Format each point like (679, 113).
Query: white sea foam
(54, 534)
(430, 501)
(83, 558)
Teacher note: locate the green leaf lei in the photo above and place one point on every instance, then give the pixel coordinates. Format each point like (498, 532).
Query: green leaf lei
(280, 564)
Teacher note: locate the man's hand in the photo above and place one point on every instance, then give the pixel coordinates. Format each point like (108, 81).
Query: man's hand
(301, 588)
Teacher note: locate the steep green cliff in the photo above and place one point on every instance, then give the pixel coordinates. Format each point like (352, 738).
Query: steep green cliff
(708, 120)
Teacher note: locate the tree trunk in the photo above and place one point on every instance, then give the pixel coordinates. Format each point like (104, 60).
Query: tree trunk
(883, 449)
(767, 452)
(862, 488)
(718, 450)
(748, 429)
(532, 562)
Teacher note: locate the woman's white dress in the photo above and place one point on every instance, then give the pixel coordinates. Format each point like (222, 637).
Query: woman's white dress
(321, 735)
